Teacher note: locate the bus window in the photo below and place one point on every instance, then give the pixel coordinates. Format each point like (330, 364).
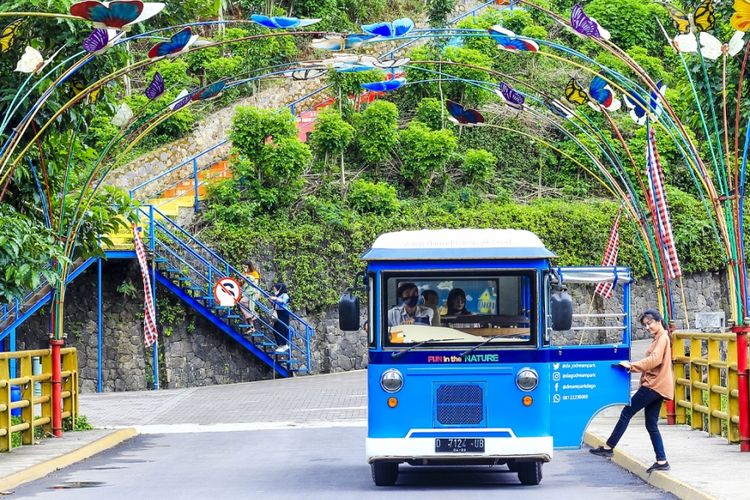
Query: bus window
(596, 320)
(471, 308)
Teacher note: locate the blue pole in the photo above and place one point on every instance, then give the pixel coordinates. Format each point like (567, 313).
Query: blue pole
(12, 348)
(99, 325)
(195, 181)
(152, 246)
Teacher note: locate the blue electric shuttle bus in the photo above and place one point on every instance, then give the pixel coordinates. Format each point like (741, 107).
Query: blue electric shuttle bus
(509, 363)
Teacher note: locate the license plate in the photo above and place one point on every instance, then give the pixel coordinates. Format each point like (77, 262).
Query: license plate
(459, 445)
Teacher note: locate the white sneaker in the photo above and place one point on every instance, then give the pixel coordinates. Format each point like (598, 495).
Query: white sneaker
(282, 350)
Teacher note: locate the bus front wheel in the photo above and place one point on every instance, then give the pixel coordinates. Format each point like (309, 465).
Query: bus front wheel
(529, 473)
(384, 473)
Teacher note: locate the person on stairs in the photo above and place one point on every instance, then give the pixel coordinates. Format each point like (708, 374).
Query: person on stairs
(250, 295)
(280, 298)
(656, 385)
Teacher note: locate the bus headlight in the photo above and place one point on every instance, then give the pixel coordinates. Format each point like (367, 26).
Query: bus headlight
(391, 380)
(527, 379)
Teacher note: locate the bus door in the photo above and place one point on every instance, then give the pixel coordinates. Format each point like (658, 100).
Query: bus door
(583, 361)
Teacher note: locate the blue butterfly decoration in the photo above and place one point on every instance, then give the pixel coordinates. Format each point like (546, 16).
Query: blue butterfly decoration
(177, 43)
(558, 108)
(336, 42)
(463, 116)
(638, 105)
(385, 85)
(602, 93)
(397, 28)
(282, 22)
(115, 15)
(209, 92)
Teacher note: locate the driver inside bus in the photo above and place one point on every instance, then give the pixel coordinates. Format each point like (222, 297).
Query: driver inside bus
(409, 312)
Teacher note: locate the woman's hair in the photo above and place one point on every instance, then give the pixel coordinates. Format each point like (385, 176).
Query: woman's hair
(452, 296)
(280, 286)
(249, 264)
(653, 314)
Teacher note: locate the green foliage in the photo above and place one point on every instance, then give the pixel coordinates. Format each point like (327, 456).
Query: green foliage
(252, 126)
(332, 135)
(431, 112)
(81, 424)
(438, 10)
(127, 289)
(478, 166)
(25, 252)
(373, 197)
(424, 154)
(377, 131)
(631, 23)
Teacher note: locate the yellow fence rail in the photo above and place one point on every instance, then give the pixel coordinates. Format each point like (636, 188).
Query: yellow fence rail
(36, 411)
(706, 387)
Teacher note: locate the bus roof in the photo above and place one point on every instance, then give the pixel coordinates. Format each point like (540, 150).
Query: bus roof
(458, 244)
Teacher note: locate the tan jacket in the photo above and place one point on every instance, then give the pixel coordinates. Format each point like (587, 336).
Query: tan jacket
(656, 367)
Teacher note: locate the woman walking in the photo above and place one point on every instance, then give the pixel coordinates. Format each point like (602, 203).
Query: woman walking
(280, 298)
(656, 385)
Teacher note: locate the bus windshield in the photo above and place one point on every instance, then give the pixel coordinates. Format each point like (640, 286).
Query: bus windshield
(459, 308)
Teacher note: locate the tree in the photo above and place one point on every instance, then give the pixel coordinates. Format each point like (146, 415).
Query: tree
(377, 131)
(478, 166)
(424, 154)
(331, 137)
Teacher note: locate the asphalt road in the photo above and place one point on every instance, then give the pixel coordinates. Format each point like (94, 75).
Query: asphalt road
(310, 463)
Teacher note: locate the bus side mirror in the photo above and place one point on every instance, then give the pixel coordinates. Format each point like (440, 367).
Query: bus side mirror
(561, 310)
(349, 312)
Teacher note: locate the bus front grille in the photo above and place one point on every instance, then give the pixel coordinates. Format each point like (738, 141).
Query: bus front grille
(459, 404)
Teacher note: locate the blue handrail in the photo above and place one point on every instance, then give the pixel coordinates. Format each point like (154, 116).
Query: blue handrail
(182, 164)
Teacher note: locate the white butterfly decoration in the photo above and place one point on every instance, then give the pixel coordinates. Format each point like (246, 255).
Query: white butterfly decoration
(32, 61)
(392, 63)
(123, 115)
(736, 43)
(710, 46)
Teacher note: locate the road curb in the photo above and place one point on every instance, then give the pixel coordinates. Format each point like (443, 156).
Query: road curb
(40, 470)
(661, 480)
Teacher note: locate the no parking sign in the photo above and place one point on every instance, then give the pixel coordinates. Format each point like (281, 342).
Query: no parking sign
(227, 292)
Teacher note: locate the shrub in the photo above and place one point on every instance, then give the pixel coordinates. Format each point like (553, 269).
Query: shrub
(373, 197)
(478, 166)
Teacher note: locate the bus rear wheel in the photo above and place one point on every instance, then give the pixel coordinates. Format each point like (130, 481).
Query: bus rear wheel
(384, 473)
(529, 473)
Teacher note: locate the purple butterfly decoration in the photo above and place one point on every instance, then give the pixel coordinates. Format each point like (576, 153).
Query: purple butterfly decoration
(99, 40)
(511, 96)
(156, 87)
(586, 25)
(182, 100)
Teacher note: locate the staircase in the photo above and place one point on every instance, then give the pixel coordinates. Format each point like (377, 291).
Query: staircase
(189, 269)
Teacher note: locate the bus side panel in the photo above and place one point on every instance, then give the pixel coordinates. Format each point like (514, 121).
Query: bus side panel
(581, 389)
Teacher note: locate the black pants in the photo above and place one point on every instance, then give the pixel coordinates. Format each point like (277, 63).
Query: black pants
(650, 401)
(281, 327)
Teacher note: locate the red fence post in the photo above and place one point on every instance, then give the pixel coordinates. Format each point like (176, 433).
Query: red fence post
(56, 387)
(671, 414)
(742, 385)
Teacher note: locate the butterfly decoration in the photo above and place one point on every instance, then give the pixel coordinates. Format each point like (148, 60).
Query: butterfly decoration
(282, 22)
(507, 40)
(392, 63)
(100, 40)
(601, 92)
(123, 115)
(182, 100)
(735, 44)
(701, 20)
(638, 105)
(119, 14)
(8, 35)
(463, 116)
(156, 88)
(557, 108)
(180, 42)
(356, 65)
(395, 29)
(511, 96)
(305, 74)
(385, 85)
(32, 61)
(586, 25)
(455, 41)
(209, 92)
(337, 42)
(740, 19)
(575, 94)
(78, 86)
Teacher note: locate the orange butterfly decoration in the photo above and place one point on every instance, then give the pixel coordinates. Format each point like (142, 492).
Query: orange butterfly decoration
(741, 18)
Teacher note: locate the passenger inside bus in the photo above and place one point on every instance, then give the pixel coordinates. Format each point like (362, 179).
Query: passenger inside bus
(409, 312)
(456, 303)
(431, 300)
